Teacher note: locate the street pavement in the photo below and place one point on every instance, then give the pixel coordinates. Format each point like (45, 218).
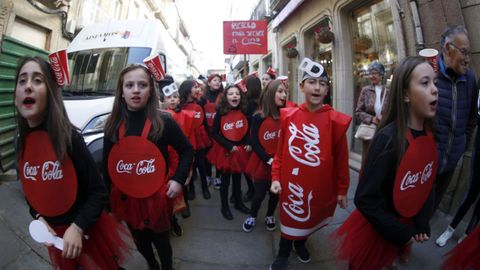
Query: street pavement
(209, 242)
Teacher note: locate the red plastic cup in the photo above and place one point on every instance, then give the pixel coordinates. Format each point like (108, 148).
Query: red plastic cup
(59, 66)
(242, 85)
(154, 64)
(431, 56)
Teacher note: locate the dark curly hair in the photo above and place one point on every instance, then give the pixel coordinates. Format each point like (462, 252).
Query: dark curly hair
(223, 107)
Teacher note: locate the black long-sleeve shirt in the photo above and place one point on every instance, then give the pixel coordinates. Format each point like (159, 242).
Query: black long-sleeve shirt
(255, 123)
(91, 194)
(172, 135)
(374, 195)
(218, 136)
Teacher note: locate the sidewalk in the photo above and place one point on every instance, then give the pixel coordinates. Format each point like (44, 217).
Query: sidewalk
(209, 241)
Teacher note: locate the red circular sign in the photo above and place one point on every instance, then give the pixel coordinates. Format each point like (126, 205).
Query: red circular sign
(268, 135)
(50, 186)
(136, 167)
(210, 112)
(234, 125)
(198, 116)
(415, 175)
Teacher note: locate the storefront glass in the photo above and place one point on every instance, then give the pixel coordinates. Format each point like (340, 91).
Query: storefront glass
(373, 40)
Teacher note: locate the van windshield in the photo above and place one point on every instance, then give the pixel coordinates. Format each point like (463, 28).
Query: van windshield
(95, 72)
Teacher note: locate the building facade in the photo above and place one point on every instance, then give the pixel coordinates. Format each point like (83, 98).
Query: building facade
(345, 36)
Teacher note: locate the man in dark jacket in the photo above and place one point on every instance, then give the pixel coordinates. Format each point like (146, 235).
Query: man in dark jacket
(457, 107)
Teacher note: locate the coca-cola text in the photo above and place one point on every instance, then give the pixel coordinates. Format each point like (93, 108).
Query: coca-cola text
(310, 135)
(410, 179)
(295, 207)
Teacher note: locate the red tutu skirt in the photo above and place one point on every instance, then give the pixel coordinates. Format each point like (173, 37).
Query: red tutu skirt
(228, 162)
(202, 140)
(465, 255)
(362, 247)
(152, 212)
(257, 169)
(105, 246)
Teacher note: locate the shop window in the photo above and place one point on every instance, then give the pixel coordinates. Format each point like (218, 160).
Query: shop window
(373, 40)
(31, 33)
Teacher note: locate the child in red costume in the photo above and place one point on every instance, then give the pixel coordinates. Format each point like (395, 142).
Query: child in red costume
(310, 167)
(171, 99)
(190, 91)
(231, 152)
(67, 193)
(136, 158)
(208, 101)
(394, 197)
(265, 131)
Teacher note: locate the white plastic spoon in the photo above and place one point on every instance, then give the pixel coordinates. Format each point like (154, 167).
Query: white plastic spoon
(39, 232)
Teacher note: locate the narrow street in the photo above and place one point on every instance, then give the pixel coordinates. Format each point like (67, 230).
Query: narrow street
(209, 241)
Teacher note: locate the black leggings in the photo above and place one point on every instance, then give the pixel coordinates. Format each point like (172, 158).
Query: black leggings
(237, 195)
(144, 240)
(472, 194)
(261, 189)
(200, 164)
(286, 246)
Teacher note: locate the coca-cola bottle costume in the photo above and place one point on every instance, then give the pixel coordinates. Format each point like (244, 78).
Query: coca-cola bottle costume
(393, 203)
(202, 139)
(71, 191)
(311, 164)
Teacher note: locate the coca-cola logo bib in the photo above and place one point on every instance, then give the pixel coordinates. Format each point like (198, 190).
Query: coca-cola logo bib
(234, 125)
(50, 186)
(268, 135)
(198, 113)
(135, 165)
(415, 175)
(210, 112)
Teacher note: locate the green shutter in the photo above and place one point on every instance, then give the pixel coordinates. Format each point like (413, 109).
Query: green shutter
(11, 51)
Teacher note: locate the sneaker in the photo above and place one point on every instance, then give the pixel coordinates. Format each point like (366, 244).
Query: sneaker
(302, 254)
(461, 238)
(249, 223)
(270, 223)
(447, 234)
(216, 183)
(280, 263)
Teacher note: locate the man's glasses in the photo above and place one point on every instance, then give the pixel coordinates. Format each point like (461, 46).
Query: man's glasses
(465, 52)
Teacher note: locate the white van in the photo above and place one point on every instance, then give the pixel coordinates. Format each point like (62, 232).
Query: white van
(96, 56)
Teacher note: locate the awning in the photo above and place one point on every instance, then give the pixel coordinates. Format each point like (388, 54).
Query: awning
(285, 12)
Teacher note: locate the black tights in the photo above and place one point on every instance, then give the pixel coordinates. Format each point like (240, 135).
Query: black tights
(237, 195)
(261, 189)
(472, 194)
(200, 164)
(286, 246)
(144, 240)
